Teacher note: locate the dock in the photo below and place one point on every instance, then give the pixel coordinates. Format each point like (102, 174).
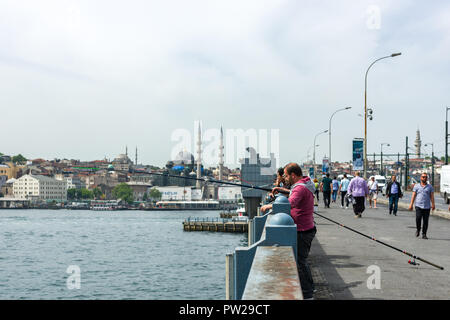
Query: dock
(215, 225)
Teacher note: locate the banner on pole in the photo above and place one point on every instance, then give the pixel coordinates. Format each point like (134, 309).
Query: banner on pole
(358, 154)
(325, 165)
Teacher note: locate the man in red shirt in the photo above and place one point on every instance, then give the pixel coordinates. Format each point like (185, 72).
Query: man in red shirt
(301, 198)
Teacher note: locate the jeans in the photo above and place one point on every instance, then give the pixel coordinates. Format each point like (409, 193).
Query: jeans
(343, 193)
(326, 197)
(334, 195)
(317, 194)
(422, 214)
(393, 203)
(304, 239)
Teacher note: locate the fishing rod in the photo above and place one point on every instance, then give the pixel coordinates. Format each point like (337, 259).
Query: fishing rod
(208, 180)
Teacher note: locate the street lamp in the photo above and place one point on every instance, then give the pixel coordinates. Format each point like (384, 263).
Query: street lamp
(314, 154)
(329, 136)
(381, 162)
(446, 135)
(365, 110)
(432, 161)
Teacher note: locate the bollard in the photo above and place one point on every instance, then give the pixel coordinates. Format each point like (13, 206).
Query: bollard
(281, 204)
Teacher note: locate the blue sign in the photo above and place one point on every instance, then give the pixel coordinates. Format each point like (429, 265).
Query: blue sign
(358, 154)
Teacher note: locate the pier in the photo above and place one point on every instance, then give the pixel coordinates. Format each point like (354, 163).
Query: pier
(215, 225)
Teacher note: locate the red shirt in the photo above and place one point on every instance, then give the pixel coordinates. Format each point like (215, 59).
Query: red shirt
(302, 206)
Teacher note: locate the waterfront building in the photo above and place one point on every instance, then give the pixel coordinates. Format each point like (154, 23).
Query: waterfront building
(39, 187)
(11, 170)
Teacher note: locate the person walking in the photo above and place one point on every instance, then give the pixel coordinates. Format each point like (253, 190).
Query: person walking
(343, 187)
(359, 190)
(325, 187)
(316, 185)
(373, 192)
(301, 198)
(335, 184)
(423, 195)
(393, 192)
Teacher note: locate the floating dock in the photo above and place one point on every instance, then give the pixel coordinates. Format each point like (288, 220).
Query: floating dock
(215, 225)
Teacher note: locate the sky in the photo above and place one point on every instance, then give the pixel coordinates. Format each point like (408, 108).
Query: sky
(84, 79)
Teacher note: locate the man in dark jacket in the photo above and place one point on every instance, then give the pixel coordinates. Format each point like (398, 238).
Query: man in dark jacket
(393, 192)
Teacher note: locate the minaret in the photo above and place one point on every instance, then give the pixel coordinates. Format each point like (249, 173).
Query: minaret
(418, 143)
(221, 154)
(199, 156)
(126, 151)
(136, 157)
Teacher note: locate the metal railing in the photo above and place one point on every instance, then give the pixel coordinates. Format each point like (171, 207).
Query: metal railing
(277, 230)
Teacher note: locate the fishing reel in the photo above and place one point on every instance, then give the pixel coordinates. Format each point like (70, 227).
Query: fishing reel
(413, 262)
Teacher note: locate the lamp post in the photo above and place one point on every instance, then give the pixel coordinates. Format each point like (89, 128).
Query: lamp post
(314, 154)
(329, 136)
(446, 135)
(381, 162)
(432, 162)
(365, 110)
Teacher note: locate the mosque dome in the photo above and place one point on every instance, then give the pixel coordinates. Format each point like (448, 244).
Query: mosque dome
(122, 158)
(184, 158)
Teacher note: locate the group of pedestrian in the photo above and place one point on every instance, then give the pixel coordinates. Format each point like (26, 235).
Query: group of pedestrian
(302, 193)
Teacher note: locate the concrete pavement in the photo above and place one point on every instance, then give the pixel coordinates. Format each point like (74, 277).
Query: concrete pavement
(340, 258)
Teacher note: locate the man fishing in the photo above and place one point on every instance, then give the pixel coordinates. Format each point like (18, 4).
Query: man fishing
(301, 198)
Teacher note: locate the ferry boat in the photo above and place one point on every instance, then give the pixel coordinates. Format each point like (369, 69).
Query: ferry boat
(187, 205)
(105, 205)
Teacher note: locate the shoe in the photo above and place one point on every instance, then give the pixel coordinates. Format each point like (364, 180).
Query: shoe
(356, 216)
(395, 214)
(390, 212)
(346, 207)
(359, 215)
(424, 236)
(417, 233)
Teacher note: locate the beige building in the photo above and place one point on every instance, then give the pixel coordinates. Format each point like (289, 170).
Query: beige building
(10, 170)
(40, 188)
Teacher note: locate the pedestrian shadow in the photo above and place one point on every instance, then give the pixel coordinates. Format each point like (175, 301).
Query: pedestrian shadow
(328, 268)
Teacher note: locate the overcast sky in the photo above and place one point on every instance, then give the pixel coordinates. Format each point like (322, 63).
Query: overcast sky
(83, 79)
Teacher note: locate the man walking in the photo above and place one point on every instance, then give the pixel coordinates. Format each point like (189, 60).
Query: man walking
(301, 198)
(393, 192)
(423, 195)
(326, 186)
(359, 190)
(343, 190)
(373, 192)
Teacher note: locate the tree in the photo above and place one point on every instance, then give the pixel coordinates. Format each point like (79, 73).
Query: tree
(19, 159)
(124, 192)
(87, 194)
(155, 194)
(71, 193)
(97, 192)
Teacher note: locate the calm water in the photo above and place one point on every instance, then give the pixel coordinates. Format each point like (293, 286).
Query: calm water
(121, 255)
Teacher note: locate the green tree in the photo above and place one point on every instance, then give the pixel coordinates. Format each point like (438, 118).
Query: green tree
(71, 193)
(97, 193)
(155, 194)
(78, 194)
(87, 194)
(124, 192)
(19, 159)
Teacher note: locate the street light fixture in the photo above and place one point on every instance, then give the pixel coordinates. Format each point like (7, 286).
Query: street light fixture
(365, 109)
(329, 136)
(314, 155)
(381, 162)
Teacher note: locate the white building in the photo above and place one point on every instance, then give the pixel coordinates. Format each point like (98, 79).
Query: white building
(40, 188)
(230, 193)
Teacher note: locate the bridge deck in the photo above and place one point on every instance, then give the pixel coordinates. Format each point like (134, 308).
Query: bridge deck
(340, 258)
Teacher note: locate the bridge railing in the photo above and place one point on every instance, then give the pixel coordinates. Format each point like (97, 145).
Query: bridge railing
(267, 268)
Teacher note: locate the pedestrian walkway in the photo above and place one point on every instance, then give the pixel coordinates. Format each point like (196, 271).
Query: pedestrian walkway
(340, 258)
